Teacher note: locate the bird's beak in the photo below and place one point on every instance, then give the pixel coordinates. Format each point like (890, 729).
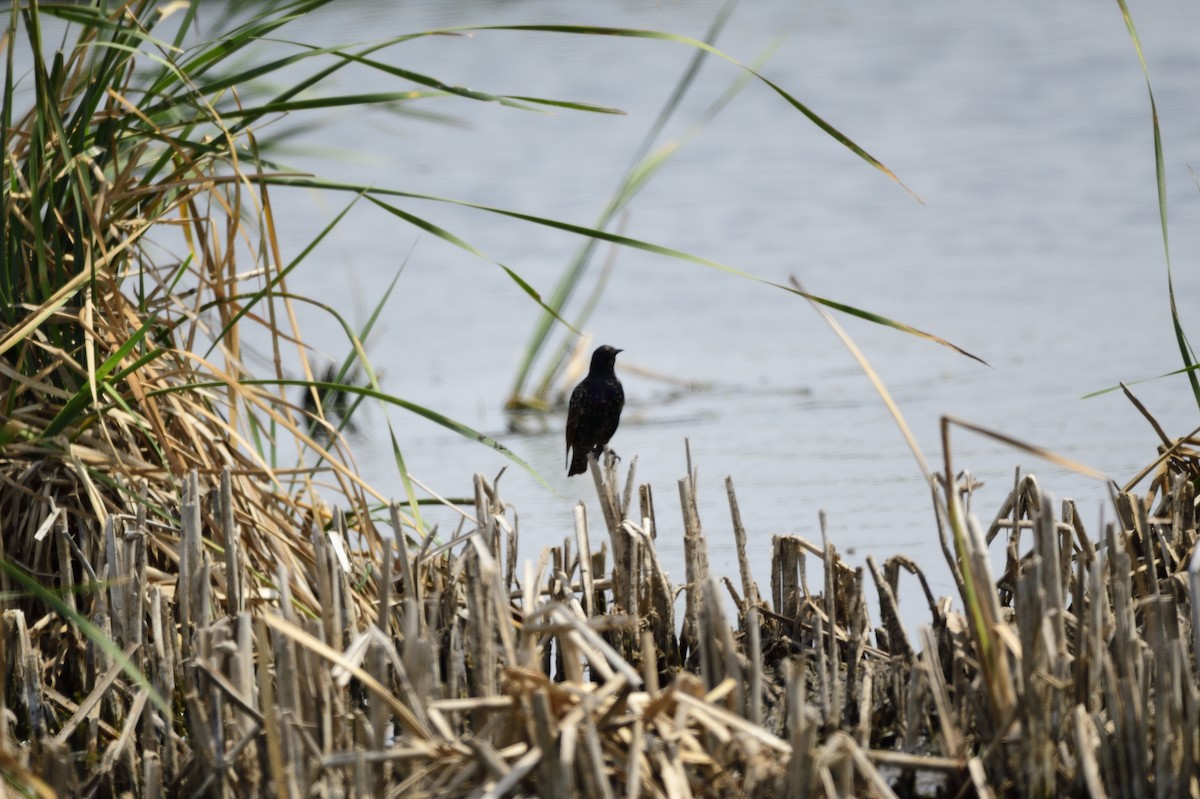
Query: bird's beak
(620, 350)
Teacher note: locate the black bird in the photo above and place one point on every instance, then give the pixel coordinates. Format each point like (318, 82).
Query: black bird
(595, 409)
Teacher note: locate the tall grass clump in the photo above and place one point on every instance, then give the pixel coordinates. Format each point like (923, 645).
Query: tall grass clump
(139, 254)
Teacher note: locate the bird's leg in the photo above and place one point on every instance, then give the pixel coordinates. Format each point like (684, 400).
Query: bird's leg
(612, 452)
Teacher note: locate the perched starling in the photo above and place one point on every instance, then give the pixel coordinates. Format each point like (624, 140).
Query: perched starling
(595, 409)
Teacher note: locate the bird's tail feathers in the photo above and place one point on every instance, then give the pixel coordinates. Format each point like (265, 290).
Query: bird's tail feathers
(578, 461)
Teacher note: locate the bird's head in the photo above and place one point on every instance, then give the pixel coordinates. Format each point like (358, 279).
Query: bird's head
(605, 356)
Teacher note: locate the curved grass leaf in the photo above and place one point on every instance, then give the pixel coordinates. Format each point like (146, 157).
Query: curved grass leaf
(1187, 370)
(637, 173)
(284, 101)
(70, 411)
(626, 241)
(432, 415)
(267, 290)
(1185, 348)
(817, 120)
(447, 236)
(91, 631)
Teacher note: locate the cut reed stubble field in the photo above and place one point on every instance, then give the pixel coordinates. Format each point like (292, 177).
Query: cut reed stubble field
(446, 670)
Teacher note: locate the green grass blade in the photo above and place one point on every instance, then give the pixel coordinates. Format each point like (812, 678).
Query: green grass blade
(1185, 349)
(69, 413)
(462, 91)
(409, 491)
(1186, 370)
(357, 357)
(431, 415)
(625, 241)
(447, 236)
(817, 120)
(638, 177)
(91, 631)
(268, 289)
(632, 180)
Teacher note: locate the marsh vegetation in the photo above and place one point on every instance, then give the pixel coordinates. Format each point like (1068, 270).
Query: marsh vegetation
(202, 595)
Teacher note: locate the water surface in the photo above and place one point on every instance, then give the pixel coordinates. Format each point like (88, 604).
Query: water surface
(1023, 127)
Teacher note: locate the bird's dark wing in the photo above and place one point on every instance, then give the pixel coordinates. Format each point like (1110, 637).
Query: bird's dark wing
(574, 412)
